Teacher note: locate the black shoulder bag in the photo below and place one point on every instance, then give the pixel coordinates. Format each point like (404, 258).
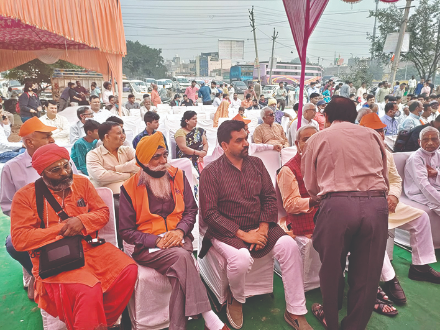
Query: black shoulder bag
(65, 254)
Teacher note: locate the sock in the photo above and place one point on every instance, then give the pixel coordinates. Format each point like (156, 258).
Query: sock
(212, 321)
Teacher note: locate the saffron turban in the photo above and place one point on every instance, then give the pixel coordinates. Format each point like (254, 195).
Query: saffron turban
(372, 120)
(240, 118)
(148, 146)
(47, 155)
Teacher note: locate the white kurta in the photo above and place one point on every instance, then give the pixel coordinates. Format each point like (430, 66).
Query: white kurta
(418, 186)
(62, 133)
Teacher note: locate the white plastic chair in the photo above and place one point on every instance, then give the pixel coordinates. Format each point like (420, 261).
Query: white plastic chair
(108, 232)
(287, 154)
(271, 160)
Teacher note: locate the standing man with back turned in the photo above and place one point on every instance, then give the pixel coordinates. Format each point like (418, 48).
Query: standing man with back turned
(353, 213)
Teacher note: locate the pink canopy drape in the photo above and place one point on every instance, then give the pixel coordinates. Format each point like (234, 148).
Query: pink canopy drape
(303, 16)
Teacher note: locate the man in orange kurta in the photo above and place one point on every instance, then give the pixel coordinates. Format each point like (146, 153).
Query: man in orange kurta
(90, 297)
(155, 98)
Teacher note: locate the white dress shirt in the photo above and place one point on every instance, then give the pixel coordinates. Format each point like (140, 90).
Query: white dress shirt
(76, 132)
(5, 145)
(17, 173)
(61, 134)
(293, 128)
(236, 103)
(102, 115)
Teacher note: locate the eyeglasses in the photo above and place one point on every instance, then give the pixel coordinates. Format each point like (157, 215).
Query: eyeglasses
(157, 157)
(58, 169)
(271, 114)
(89, 114)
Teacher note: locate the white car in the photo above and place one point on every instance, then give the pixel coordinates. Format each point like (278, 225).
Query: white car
(141, 86)
(167, 82)
(180, 84)
(269, 91)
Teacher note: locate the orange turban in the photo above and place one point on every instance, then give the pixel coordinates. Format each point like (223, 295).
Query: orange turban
(47, 155)
(372, 120)
(240, 118)
(148, 146)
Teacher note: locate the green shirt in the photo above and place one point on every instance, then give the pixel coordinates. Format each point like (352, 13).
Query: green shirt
(79, 152)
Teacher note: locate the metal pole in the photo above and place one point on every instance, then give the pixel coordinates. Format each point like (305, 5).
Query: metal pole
(374, 29)
(395, 65)
(274, 37)
(257, 62)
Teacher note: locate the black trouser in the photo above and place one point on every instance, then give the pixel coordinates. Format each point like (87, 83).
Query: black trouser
(207, 103)
(357, 223)
(116, 202)
(282, 103)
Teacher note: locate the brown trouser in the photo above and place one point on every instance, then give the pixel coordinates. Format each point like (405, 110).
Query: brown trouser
(359, 225)
(188, 296)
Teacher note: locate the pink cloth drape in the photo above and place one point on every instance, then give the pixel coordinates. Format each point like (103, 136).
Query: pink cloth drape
(303, 16)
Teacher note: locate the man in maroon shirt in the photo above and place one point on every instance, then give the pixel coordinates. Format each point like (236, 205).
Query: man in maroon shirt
(82, 91)
(238, 203)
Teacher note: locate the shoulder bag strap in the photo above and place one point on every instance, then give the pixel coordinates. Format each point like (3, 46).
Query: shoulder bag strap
(45, 192)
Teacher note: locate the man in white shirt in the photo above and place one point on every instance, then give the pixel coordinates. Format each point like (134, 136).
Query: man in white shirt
(412, 83)
(312, 89)
(100, 115)
(309, 112)
(5, 131)
(235, 102)
(77, 130)
(362, 90)
(19, 172)
(52, 118)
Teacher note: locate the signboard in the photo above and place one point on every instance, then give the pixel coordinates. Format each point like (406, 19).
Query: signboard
(230, 49)
(391, 43)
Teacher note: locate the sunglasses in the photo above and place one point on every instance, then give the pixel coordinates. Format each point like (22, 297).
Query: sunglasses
(271, 115)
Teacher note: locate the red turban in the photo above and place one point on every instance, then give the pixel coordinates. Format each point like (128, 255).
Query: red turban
(47, 155)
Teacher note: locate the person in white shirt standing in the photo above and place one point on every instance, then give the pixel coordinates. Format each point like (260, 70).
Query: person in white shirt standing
(309, 112)
(412, 83)
(362, 90)
(52, 118)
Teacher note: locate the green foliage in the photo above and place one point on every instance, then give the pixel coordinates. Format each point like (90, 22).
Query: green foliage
(423, 26)
(37, 71)
(358, 73)
(142, 61)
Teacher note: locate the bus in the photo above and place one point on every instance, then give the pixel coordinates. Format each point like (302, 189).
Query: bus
(241, 73)
(287, 72)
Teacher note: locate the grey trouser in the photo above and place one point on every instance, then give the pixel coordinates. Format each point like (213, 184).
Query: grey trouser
(188, 296)
(358, 225)
(63, 104)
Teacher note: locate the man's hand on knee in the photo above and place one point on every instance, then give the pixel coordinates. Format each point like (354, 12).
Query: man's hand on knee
(172, 238)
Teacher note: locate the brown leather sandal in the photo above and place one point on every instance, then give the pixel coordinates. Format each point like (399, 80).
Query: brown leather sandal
(318, 311)
(381, 306)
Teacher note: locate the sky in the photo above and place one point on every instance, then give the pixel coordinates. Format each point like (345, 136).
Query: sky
(188, 28)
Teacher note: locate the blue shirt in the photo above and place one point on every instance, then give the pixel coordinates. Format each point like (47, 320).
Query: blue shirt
(418, 89)
(96, 92)
(410, 122)
(205, 93)
(79, 152)
(145, 133)
(65, 94)
(392, 125)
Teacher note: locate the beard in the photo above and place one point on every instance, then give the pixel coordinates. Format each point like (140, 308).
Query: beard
(159, 187)
(59, 184)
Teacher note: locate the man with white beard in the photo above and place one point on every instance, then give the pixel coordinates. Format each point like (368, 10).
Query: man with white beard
(157, 213)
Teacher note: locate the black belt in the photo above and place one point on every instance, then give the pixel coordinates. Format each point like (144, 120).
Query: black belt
(371, 193)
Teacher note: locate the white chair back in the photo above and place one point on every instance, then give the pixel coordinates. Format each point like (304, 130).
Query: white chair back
(287, 154)
(271, 160)
(108, 232)
(186, 166)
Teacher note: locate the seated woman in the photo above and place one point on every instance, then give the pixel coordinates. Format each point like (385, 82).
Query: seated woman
(191, 140)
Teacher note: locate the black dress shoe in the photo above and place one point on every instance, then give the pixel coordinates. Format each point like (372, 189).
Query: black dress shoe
(394, 291)
(424, 273)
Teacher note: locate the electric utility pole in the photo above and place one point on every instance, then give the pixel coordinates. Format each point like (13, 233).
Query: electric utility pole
(274, 37)
(257, 62)
(374, 31)
(395, 65)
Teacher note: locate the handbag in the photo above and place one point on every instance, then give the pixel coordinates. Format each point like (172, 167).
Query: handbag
(65, 254)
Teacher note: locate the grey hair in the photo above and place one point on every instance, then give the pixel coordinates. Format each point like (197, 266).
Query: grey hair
(263, 111)
(362, 112)
(427, 130)
(308, 105)
(302, 128)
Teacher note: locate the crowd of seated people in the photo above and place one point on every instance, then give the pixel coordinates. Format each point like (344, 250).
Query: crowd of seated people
(155, 207)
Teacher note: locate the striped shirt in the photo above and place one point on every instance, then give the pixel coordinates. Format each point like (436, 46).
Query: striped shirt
(231, 199)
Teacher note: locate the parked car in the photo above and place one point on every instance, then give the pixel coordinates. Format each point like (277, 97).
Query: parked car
(239, 87)
(269, 90)
(140, 85)
(167, 82)
(149, 81)
(180, 84)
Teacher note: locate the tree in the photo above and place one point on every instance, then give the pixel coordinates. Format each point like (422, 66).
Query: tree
(37, 71)
(142, 61)
(424, 28)
(358, 73)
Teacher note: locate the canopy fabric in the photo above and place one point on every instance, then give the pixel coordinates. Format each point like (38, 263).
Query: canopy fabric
(84, 32)
(303, 16)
